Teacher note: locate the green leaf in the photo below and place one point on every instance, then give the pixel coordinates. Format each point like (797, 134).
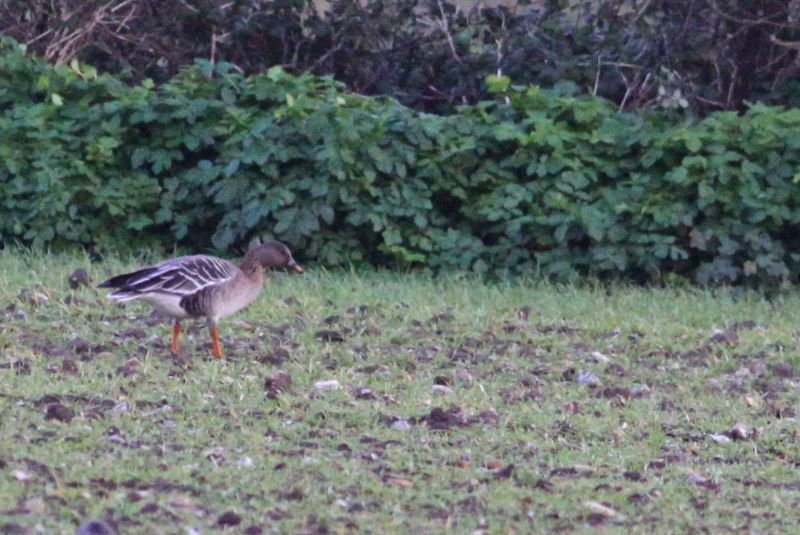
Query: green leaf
(498, 84)
(231, 168)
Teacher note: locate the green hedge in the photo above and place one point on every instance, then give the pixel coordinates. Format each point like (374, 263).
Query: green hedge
(534, 182)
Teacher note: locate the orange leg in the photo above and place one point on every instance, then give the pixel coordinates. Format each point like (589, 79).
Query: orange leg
(215, 339)
(176, 332)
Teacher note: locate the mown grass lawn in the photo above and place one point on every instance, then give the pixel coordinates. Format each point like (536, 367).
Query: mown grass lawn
(461, 406)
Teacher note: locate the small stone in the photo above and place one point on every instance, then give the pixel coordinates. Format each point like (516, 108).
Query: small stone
(183, 502)
(33, 297)
(599, 357)
(719, 438)
(21, 475)
(34, 506)
(169, 424)
(244, 462)
(587, 378)
(442, 390)
(603, 509)
(215, 454)
(327, 385)
(401, 425)
(739, 432)
(464, 376)
(696, 478)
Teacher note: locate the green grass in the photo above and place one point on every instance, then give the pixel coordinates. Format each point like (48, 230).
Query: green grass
(160, 444)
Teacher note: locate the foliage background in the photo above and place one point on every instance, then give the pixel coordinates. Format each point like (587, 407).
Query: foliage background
(532, 181)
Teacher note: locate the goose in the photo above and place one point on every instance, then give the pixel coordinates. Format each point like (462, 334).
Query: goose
(201, 286)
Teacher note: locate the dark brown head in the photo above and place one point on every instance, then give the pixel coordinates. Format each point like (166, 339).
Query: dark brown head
(271, 254)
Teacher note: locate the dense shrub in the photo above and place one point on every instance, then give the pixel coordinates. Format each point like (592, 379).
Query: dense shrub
(703, 55)
(534, 181)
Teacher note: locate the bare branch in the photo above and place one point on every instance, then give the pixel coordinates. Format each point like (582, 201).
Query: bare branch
(445, 27)
(597, 77)
(793, 45)
(742, 20)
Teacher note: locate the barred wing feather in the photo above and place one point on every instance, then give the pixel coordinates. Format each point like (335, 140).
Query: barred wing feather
(180, 277)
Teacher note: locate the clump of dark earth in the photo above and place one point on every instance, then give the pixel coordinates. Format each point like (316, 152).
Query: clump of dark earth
(275, 357)
(95, 527)
(276, 384)
(441, 419)
(229, 518)
(21, 366)
(79, 278)
(57, 411)
(329, 336)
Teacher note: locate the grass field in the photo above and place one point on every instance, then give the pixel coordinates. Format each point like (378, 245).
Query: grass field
(462, 407)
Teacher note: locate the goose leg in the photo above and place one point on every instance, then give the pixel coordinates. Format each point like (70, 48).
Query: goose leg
(176, 332)
(215, 339)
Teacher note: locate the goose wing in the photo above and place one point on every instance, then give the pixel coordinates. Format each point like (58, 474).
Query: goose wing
(179, 277)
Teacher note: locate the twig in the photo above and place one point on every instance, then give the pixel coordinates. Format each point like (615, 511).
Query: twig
(188, 6)
(213, 58)
(732, 85)
(628, 90)
(641, 11)
(41, 35)
(720, 105)
(445, 26)
(741, 20)
(597, 77)
(793, 45)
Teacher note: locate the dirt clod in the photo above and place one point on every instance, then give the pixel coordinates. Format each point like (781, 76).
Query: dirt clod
(441, 419)
(364, 393)
(33, 297)
(79, 277)
(69, 367)
(20, 366)
(57, 411)
(278, 383)
(228, 519)
(329, 336)
(730, 337)
(275, 357)
(95, 527)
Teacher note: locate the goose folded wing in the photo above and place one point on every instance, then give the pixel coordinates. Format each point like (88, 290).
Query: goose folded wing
(185, 275)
